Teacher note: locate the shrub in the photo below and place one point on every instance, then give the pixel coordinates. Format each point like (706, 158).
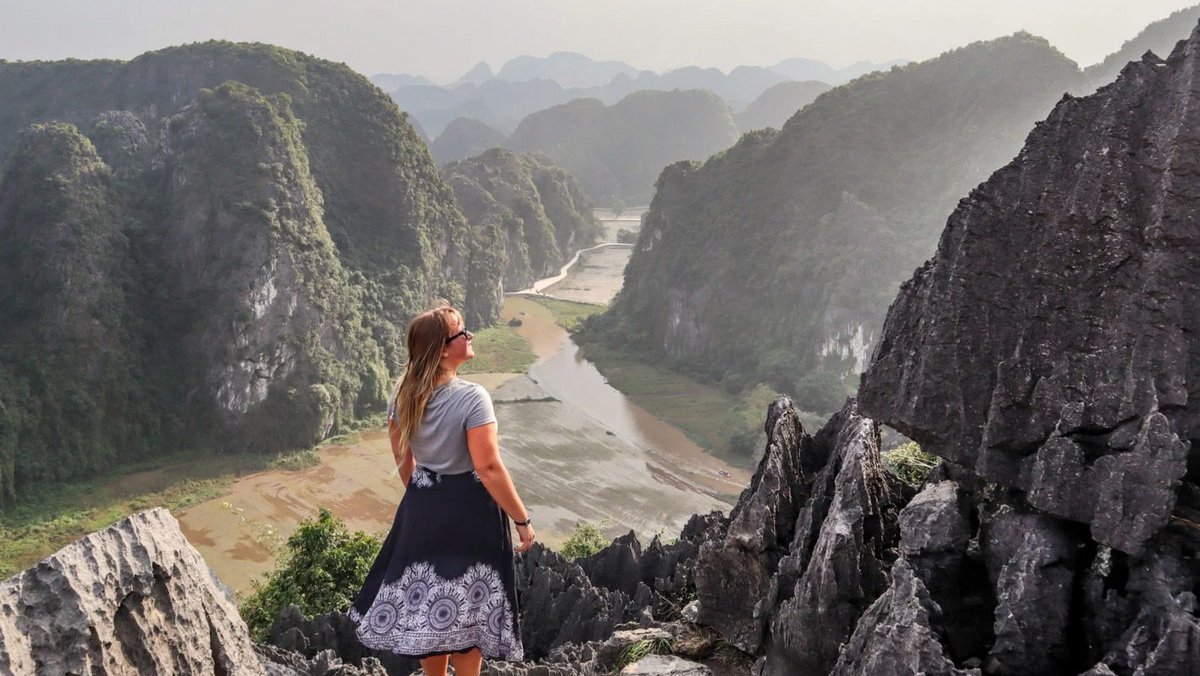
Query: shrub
(321, 571)
(585, 541)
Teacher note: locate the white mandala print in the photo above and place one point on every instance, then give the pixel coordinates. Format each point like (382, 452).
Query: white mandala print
(421, 478)
(423, 613)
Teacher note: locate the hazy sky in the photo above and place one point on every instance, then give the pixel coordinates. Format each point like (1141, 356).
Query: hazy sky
(441, 39)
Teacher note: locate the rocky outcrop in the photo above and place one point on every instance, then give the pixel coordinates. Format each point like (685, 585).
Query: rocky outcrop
(1044, 352)
(560, 605)
(667, 569)
(809, 544)
(133, 598)
(1072, 272)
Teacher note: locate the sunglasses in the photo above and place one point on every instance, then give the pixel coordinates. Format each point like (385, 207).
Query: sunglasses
(470, 336)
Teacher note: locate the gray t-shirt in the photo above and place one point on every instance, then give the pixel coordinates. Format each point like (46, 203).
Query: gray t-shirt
(440, 443)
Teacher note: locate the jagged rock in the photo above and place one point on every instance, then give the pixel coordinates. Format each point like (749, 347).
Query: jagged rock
(666, 665)
(839, 557)
(935, 541)
(809, 544)
(665, 569)
(334, 632)
(733, 574)
(135, 597)
(691, 612)
(895, 636)
(1046, 345)
(559, 604)
(280, 662)
(1036, 559)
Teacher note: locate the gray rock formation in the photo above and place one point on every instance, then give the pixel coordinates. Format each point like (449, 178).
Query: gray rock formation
(134, 598)
(1047, 344)
(1047, 350)
(666, 665)
(809, 544)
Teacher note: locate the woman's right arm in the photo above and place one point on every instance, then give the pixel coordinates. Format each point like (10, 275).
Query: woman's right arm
(484, 446)
(404, 459)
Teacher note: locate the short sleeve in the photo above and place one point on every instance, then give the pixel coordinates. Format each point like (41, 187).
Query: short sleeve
(479, 409)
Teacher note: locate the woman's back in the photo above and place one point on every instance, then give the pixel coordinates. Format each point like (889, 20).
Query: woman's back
(440, 441)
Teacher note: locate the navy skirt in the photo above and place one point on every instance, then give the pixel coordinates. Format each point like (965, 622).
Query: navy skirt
(444, 580)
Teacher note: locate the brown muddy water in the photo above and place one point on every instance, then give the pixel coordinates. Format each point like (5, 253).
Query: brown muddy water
(578, 451)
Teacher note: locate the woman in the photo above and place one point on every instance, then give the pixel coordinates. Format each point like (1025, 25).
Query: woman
(443, 588)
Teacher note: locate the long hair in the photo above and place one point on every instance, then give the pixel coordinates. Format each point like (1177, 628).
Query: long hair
(426, 339)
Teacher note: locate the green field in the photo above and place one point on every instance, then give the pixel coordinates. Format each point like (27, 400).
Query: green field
(725, 424)
(498, 349)
(41, 524)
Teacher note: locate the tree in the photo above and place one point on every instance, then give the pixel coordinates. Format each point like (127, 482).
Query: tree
(321, 571)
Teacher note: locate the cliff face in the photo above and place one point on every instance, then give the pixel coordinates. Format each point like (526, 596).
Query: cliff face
(616, 151)
(226, 240)
(1072, 270)
(537, 211)
(820, 221)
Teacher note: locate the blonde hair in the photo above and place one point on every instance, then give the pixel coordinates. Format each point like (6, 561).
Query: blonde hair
(426, 339)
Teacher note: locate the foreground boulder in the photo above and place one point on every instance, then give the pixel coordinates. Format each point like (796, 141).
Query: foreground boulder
(134, 598)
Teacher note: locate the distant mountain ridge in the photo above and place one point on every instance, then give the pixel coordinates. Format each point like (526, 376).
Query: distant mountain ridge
(1159, 37)
(528, 84)
(617, 151)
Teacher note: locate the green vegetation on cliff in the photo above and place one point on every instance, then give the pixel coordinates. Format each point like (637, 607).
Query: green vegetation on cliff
(536, 212)
(774, 261)
(210, 247)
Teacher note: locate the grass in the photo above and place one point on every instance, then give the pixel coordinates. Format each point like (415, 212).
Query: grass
(569, 313)
(499, 349)
(44, 523)
(639, 649)
(909, 463)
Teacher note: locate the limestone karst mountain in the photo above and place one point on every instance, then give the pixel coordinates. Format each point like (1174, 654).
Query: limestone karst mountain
(778, 104)
(531, 214)
(616, 151)
(464, 138)
(775, 260)
(224, 243)
(571, 70)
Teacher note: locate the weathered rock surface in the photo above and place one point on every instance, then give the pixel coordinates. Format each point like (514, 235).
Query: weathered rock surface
(666, 569)
(666, 665)
(133, 598)
(1047, 349)
(1047, 345)
(560, 605)
(808, 547)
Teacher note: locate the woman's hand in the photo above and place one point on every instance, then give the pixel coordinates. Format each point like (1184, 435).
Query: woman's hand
(527, 538)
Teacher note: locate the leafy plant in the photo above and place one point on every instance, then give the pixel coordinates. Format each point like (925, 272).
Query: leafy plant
(322, 569)
(584, 541)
